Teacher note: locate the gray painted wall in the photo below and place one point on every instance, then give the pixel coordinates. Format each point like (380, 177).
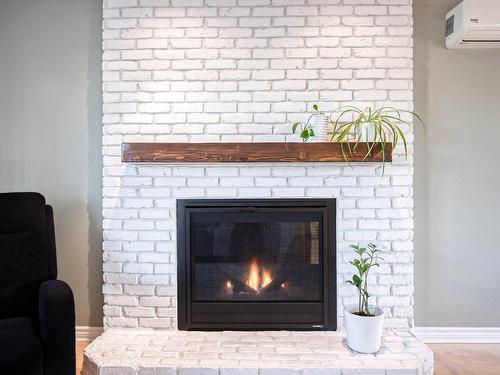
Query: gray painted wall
(50, 128)
(50, 141)
(457, 177)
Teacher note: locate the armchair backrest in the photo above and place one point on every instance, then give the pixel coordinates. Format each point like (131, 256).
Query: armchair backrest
(27, 251)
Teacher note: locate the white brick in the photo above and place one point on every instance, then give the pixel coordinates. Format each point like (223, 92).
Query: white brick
(322, 192)
(359, 214)
(236, 181)
(270, 181)
(306, 181)
(288, 192)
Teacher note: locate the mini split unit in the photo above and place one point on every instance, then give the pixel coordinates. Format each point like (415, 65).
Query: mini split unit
(474, 24)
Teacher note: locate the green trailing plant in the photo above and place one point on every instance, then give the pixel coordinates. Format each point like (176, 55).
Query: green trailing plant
(386, 125)
(306, 131)
(367, 258)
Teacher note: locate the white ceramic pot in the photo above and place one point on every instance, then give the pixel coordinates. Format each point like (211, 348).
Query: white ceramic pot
(365, 132)
(319, 123)
(364, 333)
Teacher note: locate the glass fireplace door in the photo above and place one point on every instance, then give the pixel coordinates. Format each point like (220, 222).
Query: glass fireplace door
(256, 264)
(256, 256)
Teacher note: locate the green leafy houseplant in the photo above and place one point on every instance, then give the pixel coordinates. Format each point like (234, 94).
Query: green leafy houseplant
(367, 258)
(370, 126)
(306, 131)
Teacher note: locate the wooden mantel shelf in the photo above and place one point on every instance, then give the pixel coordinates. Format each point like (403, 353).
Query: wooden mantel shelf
(276, 152)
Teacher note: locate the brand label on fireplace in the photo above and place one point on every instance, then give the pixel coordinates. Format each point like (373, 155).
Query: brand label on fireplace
(317, 325)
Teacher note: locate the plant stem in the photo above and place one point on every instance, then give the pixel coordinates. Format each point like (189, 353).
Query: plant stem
(360, 307)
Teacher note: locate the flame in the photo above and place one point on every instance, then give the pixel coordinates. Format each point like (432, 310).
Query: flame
(255, 280)
(229, 286)
(266, 279)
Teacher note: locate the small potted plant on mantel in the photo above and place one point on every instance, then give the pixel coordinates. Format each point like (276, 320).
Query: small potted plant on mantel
(316, 127)
(364, 322)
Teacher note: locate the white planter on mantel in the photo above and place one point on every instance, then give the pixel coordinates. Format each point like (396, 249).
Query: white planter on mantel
(319, 124)
(365, 132)
(364, 333)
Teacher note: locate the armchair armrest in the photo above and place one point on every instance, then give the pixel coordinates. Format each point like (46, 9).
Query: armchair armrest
(56, 314)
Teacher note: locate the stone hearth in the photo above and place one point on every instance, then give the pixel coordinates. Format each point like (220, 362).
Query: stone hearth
(149, 352)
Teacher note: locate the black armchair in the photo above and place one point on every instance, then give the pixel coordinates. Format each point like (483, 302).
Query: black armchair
(37, 313)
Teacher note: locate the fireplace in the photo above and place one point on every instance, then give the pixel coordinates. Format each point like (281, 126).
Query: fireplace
(256, 264)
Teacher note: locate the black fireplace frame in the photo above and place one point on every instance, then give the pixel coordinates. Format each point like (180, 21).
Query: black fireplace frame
(329, 303)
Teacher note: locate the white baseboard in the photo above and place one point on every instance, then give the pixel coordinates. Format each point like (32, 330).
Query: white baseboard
(458, 335)
(445, 335)
(85, 333)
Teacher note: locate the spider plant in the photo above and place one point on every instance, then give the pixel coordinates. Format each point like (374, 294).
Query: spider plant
(383, 124)
(306, 131)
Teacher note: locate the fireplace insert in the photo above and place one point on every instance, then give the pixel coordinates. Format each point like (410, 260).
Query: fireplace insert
(256, 264)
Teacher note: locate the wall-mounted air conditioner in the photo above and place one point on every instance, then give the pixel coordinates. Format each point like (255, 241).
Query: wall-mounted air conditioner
(474, 24)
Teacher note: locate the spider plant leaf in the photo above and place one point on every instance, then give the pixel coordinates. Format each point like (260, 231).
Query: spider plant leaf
(346, 159)
(344, 110)
(343, 134)
(397, 119)
(417, 116)
(377, 112)
(370, 145)
(403, 138)
(350, 149)
(384, 143)
(398, 133)
(392, 129)
(294, 127)
(336, 128)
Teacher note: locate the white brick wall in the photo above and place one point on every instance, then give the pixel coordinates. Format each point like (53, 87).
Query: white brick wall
(241, 70)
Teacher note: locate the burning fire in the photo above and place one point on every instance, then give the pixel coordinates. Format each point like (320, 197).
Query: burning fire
(258, 278)
(229, 287)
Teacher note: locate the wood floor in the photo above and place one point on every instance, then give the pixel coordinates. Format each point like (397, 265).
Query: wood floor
(80, 345)
(450, 359)
(466, 359)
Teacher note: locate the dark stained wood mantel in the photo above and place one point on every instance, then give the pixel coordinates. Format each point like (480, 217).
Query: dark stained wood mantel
(292, 152)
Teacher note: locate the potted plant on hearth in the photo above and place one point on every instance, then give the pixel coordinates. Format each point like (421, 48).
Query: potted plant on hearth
(364, 322)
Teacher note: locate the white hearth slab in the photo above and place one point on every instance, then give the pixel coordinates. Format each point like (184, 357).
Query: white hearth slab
(164, 352)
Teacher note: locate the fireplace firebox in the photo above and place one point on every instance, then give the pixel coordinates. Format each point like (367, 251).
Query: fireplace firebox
(256, 264)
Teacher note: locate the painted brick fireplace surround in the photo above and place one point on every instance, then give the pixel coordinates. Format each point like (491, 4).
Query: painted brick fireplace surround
(244, 70)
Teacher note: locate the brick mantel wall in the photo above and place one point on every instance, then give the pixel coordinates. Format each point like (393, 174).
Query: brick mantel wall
(244, 70)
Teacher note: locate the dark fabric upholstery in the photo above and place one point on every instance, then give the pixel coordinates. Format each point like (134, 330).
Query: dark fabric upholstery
(26, 213)
(37, 316)
(18, 285)
(22, 212)
(51, 242)
(20, 348)
(57, 318)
